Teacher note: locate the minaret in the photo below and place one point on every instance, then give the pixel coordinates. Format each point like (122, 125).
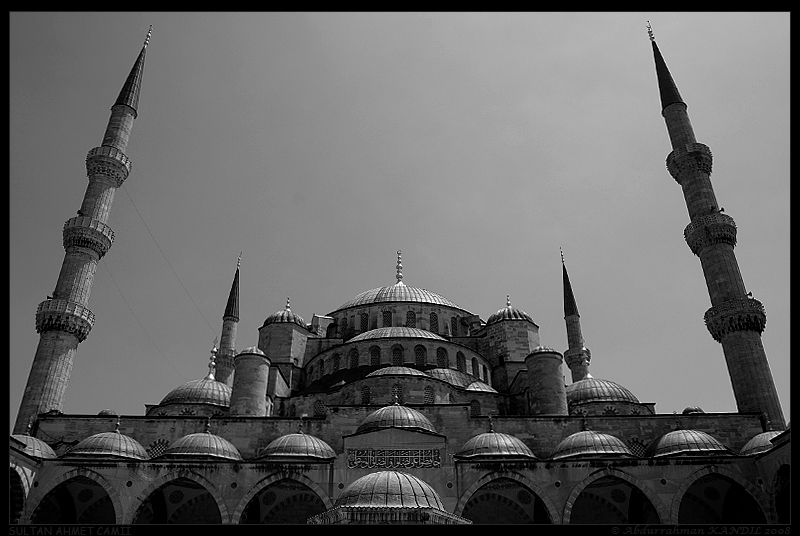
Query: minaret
(227, 350)
(735, 319)
(577, 355)
(64, 319)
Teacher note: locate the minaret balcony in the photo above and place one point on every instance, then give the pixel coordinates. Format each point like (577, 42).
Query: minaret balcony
(83, 231)
(685, 161)
(64, 315)
(577, 357)
(108, 161)
(740, 314)
(709, 230)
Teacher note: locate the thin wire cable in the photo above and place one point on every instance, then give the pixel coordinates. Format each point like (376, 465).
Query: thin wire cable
(167, 260)
(105, 264)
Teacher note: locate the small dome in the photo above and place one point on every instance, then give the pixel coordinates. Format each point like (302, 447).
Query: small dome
(298, 446)
(509, 313)
(35, 447)
(203, 444)
(286, 316)
(396, 332)
(109, 444)
(451, 376)
(545, 350)
(759, 443)
(691, 442)
(252, 350)
(480, 386)
(597, 390)
(205, 391)
(590, 443)
(389, 489)
(692, 409)
(388, 371)
(494, 444)
(110, 412)
(395, 416)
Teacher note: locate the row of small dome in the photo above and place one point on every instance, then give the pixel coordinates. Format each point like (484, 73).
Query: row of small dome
(489, 444)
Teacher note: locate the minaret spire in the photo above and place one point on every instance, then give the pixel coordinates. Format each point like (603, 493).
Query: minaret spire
(64, 320)
(230, 320)
(577, 356)
(735, 319)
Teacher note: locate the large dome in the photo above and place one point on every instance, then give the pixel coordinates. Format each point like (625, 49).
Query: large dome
(692, 442)
(298, 445)
(203, 444)
(494, 444)
(109, 444)
(759, 443)
(589, 442)
(399, 292)
(205, 391)
(396, 332)
(395, 416)
(597, 390)
(394, 370)
(389, 489)
(35, 447)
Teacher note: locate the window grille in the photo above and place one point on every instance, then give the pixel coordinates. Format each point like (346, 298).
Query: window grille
(353, 358)
(428, 395)
(434, 323)
(441, 358)
(397, 356)
(374, 356)
(364, 322)
(365, 395)
(474, 409)
(411, 319)
(387, 319)
(419, 355)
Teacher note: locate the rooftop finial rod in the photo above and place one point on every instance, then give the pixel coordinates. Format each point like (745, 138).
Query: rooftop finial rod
(287, 304)
(508, 300)
(562, 254)
(147, 39)
(650, 32)
(239, 260)
(399, 275)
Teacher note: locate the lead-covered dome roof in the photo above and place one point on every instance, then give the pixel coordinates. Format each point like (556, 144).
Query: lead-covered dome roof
(451, 376)
(286, 316)
(590, 443)
(108, 444)
(35, 447)
(686, 442)
(396, 332)
(493, 444)
(298, 445)
(596, 390)
(203, 445)
(205, 391)
(480, 386)
(395, 370)
(759, 443)
(396, 416)
(389, 489)
(399, 292)
(509, 313)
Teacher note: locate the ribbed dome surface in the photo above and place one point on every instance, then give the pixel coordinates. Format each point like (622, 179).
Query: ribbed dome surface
(396, 332)
(509, 313)
(590, 443)
(299, 446)
(395, 416)
(205, 391)
(286, 316)
(480, 386)
(494, 444)
(453, 377)
(597, 390)
(692, 409)
(388, 371)
(759, 443)
(202, 444)
(685, 442)
(35, 447)
(109, 444)
(389, 489)
(397, 293)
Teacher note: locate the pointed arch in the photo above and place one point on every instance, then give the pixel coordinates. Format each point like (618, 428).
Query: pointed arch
(552, 511)
(236, 516)
(38, 494)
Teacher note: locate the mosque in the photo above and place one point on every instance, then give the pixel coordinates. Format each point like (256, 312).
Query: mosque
(399, 405)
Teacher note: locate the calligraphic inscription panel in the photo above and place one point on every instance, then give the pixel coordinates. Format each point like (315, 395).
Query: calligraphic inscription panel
(393, 458)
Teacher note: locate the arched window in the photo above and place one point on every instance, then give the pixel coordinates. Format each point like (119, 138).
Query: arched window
(461, 362)
(485, 373)
(365, 395)
(397, 356)
(453, 326)
(434, 323)
(335, 363)
(387, 319)
(441, 358)
(353, 358)
(428, 396)
(330, 332)
(411, 319)
(474, 409)
(397, 393)
(374, 356)
(475, 370)
(419, 355)
(364, 322)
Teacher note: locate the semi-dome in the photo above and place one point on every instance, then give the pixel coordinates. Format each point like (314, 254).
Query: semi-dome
(112, 444)
(35, 447)
(389, 489)
(686, 442)
(286, 316)
(396, 332)
(204, 391)
(590, 443)
(395, 416)
(298, 445)
(395, 370)
(759, 443)
(480, 386)
(492, 444)
(597, 390)
(451, 376)
(509, 313)
(203, 444)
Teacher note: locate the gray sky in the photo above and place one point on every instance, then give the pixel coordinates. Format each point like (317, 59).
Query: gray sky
(319, 144)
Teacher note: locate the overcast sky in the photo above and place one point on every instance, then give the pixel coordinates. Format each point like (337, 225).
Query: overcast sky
(320, 144)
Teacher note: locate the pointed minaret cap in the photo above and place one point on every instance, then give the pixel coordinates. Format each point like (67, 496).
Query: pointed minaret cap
(232, 308)
(129, 95)
(666, 85)
(570, 307)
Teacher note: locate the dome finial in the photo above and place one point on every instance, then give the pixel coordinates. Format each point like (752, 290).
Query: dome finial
(399, 275)
(207, 429)
(239, 260)
(508, 300)
(212, 364)
(491, 425)
(396, 399)
(147, 39)
(650, 32)
(288, 308)
(300, 425)
(116, 426)
(562, 254)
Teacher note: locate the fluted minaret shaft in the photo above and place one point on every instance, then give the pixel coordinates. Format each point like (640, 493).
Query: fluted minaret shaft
(64, 319)
(227, 344)
(577, 355)
(735, 319)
